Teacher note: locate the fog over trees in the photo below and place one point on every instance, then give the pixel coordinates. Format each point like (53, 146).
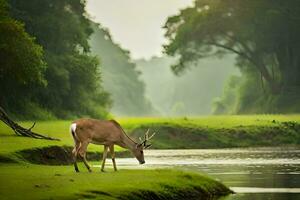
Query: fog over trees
(119, 75)
(191, 93)
(264, 37)
(222, 57)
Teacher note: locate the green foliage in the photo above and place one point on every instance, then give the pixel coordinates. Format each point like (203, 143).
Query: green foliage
(72, 75)
(21, 62)
(60, 26)
(226, 104)
(262, 34)
(74, 87)
(248, 94)
(120, 76)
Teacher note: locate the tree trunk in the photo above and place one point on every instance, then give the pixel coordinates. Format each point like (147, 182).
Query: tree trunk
(289, 66)
(274, 85)
(19, 130)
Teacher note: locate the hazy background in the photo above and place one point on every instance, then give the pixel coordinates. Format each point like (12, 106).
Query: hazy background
(191, 93)
(137, 26)
(106, 59)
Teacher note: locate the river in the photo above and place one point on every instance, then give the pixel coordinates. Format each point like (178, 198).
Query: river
(253, 173)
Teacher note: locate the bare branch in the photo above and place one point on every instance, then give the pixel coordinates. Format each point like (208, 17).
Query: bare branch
(31, 127)
(19, 130)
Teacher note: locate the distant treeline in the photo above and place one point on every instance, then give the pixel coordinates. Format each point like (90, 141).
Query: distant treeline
(47, 68)
(120, 76)
(191, 93)
(264, 36)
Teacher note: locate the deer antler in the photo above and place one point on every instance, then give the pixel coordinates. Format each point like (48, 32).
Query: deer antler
(146, 139)
(149, 138)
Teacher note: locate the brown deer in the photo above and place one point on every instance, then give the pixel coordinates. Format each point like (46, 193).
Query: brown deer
(107, 133)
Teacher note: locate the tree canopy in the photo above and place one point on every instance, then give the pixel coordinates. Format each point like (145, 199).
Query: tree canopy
(49, 71)
(264, 36)
(69, 77)
(22, 63)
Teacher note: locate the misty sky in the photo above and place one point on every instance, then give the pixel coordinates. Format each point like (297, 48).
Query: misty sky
(136, 24)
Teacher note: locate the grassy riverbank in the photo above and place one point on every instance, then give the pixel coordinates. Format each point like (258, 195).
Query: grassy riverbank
(26, 181)
(201, 132)
(219, 131)
(21, 180)
(32, 181)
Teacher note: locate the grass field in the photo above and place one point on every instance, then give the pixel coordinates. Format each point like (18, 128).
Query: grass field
(215, 122)
(26, 181)
(219, 131)
(200, 132)
(32, 181)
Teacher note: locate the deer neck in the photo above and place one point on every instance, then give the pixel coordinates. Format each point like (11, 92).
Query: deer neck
(128, 143)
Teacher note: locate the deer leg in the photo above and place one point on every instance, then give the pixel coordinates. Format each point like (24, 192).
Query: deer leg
(112, 153)
(104, 158)
(82, 153)
(75, 154)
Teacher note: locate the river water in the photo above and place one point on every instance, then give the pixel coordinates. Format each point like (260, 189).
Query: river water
(253, 173)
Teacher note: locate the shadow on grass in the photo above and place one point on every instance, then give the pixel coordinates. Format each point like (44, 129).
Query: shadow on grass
(168, 192)
(58, 155)
(94, 194)
(5, 159)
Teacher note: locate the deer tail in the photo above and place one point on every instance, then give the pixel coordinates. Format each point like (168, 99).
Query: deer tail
(72, 131)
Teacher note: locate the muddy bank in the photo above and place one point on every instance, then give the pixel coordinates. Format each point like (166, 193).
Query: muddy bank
(58, 155)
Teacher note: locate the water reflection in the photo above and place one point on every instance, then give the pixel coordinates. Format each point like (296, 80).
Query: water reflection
(254, 173)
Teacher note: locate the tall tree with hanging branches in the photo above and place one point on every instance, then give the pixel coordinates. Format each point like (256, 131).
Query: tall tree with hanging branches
(262, 34)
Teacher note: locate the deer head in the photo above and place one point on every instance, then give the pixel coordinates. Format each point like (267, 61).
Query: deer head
(139, 150)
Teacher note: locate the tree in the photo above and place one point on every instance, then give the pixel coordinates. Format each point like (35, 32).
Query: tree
(21, 67)
(263, 34)
(21, 62)
(73, 75)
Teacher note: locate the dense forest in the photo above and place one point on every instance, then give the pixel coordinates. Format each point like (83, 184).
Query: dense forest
(264, 37)
(60, 64)
(48, 71)
(57, 63)
(191, 93)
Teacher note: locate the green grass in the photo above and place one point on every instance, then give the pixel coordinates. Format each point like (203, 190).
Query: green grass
(219, 131)
(26, 181)
(224, 121)
(194, 132)
(10, 143)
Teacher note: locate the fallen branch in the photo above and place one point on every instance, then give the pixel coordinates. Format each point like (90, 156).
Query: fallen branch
(31, 127)
(19, 130)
